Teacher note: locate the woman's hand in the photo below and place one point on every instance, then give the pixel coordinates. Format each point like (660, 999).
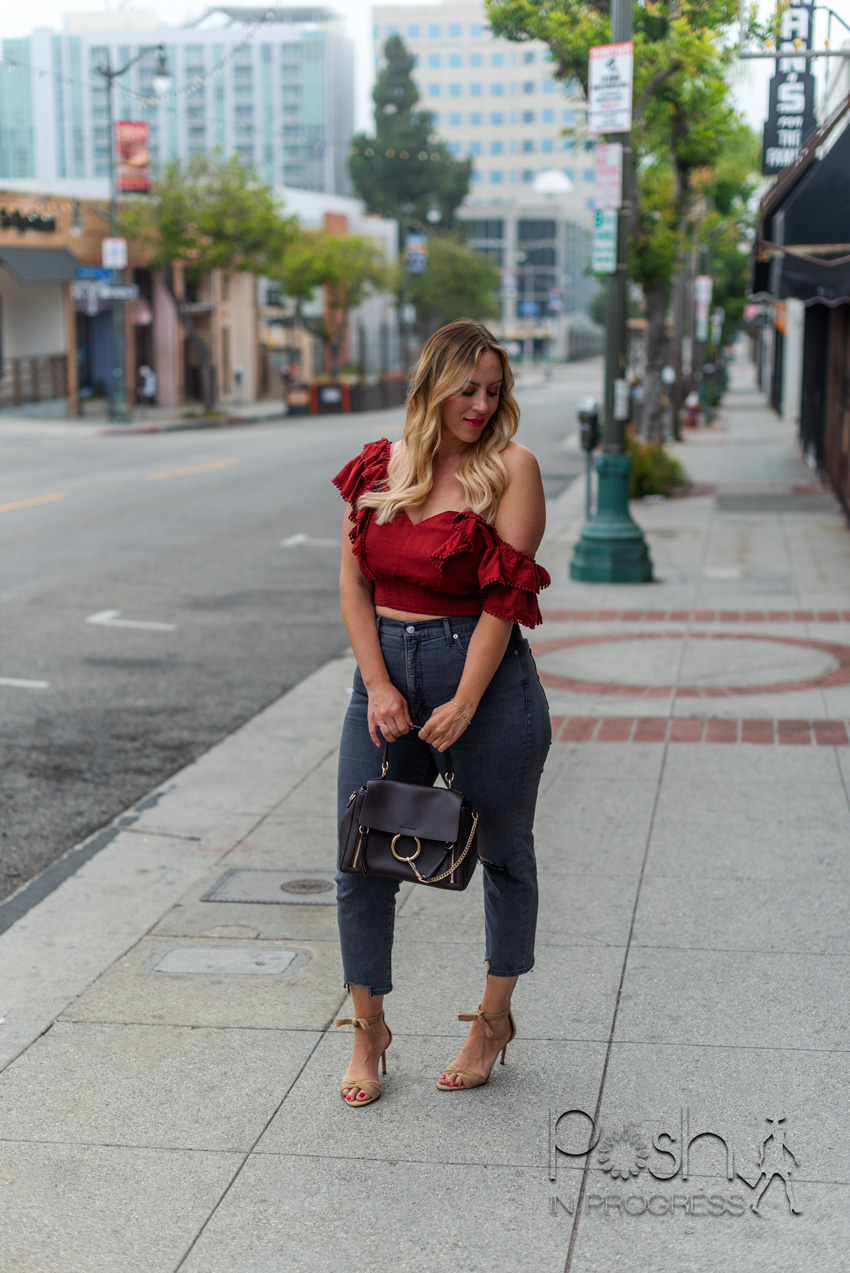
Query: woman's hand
(388, 712)
(444, 726)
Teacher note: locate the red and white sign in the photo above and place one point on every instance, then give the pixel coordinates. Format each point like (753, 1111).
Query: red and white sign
(132, 156)
(609, 88)
(608, 191)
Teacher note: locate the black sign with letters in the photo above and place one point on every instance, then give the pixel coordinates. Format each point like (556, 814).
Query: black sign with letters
(791, 113)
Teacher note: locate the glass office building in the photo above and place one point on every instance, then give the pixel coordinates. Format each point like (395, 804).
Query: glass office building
(276, 90)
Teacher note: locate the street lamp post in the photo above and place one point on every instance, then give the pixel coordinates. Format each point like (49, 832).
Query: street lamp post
(611, 547)
(119, 408)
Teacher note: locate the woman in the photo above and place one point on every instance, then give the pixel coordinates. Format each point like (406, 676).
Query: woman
(437, 569)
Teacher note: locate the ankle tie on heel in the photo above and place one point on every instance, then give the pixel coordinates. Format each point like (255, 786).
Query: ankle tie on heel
(484, 1018)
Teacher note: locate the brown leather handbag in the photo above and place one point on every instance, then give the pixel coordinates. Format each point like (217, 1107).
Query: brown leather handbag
(407, 832)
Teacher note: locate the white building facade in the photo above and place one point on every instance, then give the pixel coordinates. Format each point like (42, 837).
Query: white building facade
(272, 85)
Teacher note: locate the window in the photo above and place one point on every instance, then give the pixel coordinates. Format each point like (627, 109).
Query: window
(434, 31)
(547, 145)
(476, 30)
(392, 29)
(455, 31)
(528, 117)
(497, 118)
(415, 59)
(497, 89)
(453, 147)
(527, 174)
(496, 175)
(528, 57)
(495, 148)
(589, 147)
(589, 174)
(455, 90)
(475, 148)
(528, 146)
(569, 116)
(455, 119)
(475, 178)
(433, 59)
(569, 144)
(476, 119)
(497, 59)
(455, 59)
(571, 173)
(547, 117)
(435, 116)
(548, 86)
(475, 90)
(413, 31)
(590, 204)
(528, 86)
(475, 59)
(433, 90)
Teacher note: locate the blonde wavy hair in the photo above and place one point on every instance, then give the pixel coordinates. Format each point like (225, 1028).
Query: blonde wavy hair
(445, 367)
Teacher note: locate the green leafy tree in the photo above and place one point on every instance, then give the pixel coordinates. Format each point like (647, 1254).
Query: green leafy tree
(455, 284)
(403, 171)
(347, 266)
(208, 213)
(683, 120)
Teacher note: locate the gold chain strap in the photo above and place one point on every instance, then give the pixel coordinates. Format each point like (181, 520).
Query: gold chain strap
(434, 879)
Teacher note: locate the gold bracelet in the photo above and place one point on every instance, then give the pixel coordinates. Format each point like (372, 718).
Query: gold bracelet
(462, 712)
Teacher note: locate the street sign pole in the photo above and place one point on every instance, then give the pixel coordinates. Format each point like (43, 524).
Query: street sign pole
(611, 547)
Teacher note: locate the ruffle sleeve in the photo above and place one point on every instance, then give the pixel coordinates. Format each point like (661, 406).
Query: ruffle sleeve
(366, 471)
(508, 580)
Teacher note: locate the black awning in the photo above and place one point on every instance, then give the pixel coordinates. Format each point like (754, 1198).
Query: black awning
(30, 266)
(813, 213)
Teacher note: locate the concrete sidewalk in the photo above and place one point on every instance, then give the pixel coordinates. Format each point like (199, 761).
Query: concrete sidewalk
(170, 1083)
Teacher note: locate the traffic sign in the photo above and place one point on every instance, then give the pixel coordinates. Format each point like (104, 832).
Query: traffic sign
(114, 253)
(608, 190)
(609, 88)
(603, 250)
(118, 291)
(96, 272)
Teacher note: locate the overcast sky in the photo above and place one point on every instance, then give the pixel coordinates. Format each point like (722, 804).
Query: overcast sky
(749, 81)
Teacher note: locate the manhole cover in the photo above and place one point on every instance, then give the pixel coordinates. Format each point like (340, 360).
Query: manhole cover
(307, 886)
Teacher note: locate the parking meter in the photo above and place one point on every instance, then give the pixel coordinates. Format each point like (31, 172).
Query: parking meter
(588, 432)
(588, 424)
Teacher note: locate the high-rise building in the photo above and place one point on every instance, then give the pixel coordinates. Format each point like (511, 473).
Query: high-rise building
(492, 99)
(274, 86)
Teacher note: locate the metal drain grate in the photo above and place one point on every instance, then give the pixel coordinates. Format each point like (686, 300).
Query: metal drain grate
(274, 888)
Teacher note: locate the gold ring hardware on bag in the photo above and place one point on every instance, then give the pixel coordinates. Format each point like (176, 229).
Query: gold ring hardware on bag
(398, 856)
(449, 779)
(384, 767)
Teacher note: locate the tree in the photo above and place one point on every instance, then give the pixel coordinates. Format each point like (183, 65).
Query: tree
(682, 122)
(455, 284)
(209, 214)
(404, 172)
(347, 266)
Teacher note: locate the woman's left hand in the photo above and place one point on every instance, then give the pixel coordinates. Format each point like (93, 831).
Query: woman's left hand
(444, 726)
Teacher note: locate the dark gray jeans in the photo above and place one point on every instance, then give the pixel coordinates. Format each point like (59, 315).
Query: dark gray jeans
(497, 764)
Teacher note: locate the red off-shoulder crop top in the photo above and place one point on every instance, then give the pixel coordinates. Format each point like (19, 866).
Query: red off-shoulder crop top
(449, 564)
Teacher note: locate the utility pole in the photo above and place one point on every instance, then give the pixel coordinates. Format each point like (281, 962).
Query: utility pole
(611, 548)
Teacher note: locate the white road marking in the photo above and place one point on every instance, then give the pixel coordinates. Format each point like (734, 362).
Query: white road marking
(722, 572)
(292, 541)
(110, 619)
(19, 684)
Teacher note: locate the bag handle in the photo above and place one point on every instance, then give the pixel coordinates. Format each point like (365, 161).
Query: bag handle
(448, 777)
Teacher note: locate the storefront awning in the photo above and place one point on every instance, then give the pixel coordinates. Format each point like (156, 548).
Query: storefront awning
(31, 266)
(803, 246)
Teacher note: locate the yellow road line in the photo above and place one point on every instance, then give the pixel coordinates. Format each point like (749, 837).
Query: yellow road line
(30, 503)
(195, 468)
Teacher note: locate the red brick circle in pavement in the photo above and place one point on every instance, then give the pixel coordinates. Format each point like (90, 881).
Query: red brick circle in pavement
(838, 676)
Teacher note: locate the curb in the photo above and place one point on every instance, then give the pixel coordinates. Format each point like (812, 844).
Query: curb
(182, 426)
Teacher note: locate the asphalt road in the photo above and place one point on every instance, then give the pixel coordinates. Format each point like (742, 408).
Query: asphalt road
(188, 531)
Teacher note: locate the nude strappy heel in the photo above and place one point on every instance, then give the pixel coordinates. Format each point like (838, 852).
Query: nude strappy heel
(469, 1077)
(372, 1087)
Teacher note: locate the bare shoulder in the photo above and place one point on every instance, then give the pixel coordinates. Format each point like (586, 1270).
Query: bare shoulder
(519, 461)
